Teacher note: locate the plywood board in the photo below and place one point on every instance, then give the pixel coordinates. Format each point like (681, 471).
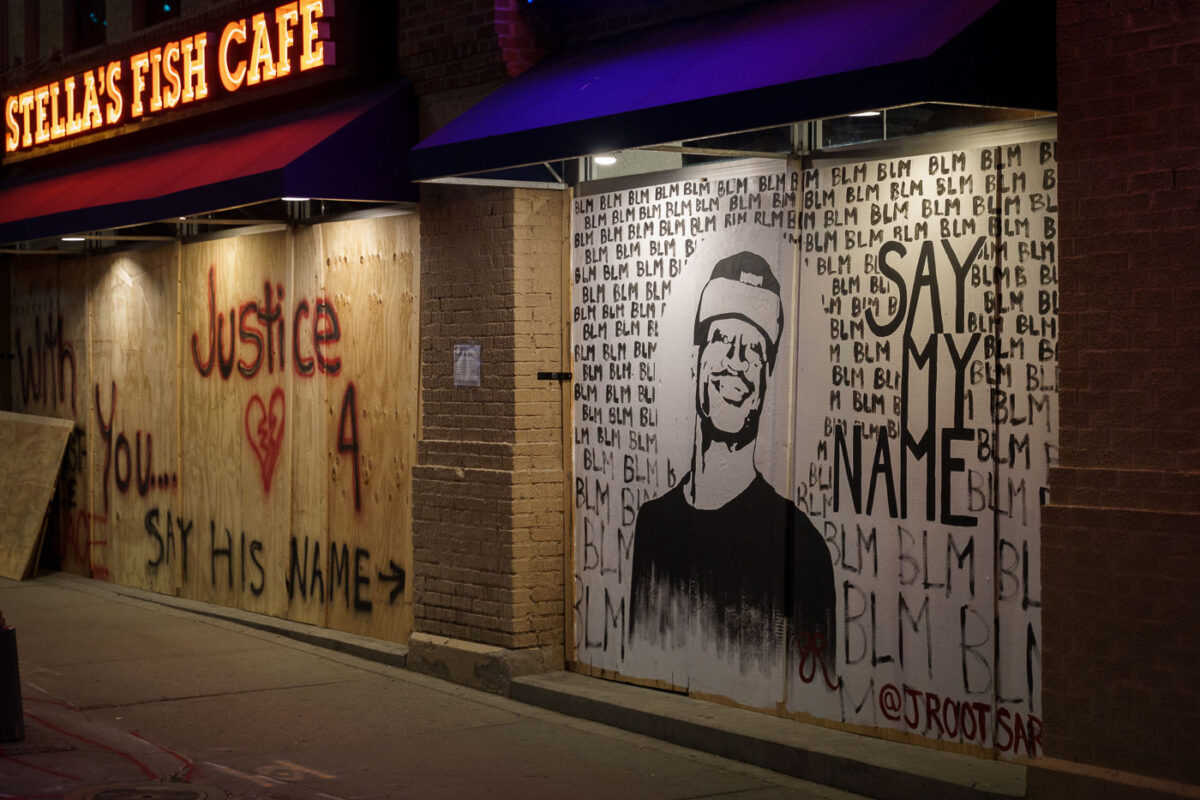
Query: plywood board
(245, 415)
(36, 331)
(132, 439)
(50, 378)
(312, 576)
(370, 272)
(33, 450)
(235, 419)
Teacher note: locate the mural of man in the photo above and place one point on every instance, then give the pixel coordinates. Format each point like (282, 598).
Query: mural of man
(722, 553)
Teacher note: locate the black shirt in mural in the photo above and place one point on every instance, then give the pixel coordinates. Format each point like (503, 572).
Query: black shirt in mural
(743, 575)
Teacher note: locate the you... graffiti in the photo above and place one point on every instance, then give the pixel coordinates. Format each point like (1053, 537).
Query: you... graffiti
(257, 338)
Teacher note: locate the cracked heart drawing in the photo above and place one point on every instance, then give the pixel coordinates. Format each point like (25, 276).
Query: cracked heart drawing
(264, 429)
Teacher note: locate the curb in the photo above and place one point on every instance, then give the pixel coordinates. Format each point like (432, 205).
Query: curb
(878, 768)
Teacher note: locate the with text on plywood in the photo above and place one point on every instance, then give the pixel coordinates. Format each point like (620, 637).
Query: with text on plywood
(34, 448)
(49, 330)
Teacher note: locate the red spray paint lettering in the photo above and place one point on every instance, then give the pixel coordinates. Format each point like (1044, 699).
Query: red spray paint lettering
(127, 465)
(935, 716)
(264, 429)
(257, 335)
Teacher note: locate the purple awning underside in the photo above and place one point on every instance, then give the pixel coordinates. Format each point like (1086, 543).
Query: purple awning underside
(750, 68)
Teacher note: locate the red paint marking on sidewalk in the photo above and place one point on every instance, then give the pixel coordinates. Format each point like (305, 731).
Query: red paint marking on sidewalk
(62, 703)
(46, 770)
(189, 768)
(145, 770)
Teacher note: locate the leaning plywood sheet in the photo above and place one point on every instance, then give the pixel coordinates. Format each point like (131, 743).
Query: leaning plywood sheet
(32, 449)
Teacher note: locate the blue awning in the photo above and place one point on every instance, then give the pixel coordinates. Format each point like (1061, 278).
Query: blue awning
(751, 68)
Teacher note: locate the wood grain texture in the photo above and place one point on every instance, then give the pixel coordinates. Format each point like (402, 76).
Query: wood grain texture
(35, 446)
(245, 414)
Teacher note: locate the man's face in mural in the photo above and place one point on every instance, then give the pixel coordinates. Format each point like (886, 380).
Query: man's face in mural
(731, 379)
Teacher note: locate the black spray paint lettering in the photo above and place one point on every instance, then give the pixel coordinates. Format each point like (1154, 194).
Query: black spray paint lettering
(347, 442)
(916, 569)
(162, 527)
(310, 583)
(227, 553)
(860, 627)
(43, 365)
(598, 548)
(848, 459)
(164, 542)
(613, 620)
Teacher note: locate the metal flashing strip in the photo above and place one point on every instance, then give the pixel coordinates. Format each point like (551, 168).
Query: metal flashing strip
(497, 182)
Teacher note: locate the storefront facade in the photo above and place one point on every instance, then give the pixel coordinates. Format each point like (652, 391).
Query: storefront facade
(517, 419)
(225, 354)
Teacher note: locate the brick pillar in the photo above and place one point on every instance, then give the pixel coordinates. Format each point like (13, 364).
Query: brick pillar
(488, 487)
(1121, 540)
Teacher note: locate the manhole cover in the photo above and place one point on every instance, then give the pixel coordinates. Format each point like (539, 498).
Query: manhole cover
(148, 791)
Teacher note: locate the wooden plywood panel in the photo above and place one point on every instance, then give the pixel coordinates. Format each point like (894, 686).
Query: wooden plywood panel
(235, 418)
(33, 448)
(132, 435)
(79, 547)
(370, 273)
(315, 576)
(50, 378)
(246, 416)
(38, 386)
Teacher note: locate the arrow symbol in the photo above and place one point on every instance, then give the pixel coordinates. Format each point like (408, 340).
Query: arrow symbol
(397, 576)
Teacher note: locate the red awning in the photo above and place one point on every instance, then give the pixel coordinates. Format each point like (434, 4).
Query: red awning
(354, 150)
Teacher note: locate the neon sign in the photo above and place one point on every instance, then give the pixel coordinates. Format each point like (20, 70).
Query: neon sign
(266, 47)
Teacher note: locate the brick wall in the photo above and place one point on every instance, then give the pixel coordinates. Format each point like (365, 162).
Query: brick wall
(575, 23)
(452, 54)
(488, 488)
(523, 41)
(538, 458)
(1121, 561)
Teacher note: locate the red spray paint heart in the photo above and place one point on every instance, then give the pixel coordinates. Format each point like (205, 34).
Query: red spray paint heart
(264, 429)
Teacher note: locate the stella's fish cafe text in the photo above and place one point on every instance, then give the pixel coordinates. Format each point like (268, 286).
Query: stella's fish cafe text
(265, 47)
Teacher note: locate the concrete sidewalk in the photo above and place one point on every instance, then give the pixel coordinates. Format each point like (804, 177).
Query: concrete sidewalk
(124, 682)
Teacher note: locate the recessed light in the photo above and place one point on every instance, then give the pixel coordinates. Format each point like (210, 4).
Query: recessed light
(605, 161)
(295, 199)
(74, 239)
(866, 114)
